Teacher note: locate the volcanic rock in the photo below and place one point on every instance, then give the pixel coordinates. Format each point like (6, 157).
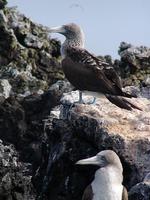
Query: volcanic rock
(15, 176)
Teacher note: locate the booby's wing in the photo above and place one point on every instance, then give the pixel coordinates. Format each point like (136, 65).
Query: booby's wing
(112, 75)
(87, 72)
(93, 71)
(124, 194)
(88, 194)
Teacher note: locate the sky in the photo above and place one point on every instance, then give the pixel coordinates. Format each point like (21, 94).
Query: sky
(105, 23)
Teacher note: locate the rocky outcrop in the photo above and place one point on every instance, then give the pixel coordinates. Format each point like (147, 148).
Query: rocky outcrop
(87, 130)
(29, 59)
(29, 64)
(134, 65)
(53, 144)
(22, 120)
(22, 123)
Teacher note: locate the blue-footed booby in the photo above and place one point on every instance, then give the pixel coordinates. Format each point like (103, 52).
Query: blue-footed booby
(86, 72)
(107, 183)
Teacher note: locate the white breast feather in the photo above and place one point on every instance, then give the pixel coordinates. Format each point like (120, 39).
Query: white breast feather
(106, 186)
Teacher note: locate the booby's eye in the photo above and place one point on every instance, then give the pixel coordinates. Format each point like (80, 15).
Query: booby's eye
(103, 158)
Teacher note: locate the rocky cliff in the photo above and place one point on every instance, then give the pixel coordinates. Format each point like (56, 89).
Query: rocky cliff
(41, 138)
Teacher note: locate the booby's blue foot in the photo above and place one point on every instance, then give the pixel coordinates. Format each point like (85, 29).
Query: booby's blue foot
(92, 102)
(82, 102)
(80, 98)
(67, 108)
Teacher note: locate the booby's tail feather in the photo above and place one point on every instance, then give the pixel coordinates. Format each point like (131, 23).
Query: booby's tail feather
(122, 102)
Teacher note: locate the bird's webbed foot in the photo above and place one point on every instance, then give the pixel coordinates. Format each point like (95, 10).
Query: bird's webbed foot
(92, 102)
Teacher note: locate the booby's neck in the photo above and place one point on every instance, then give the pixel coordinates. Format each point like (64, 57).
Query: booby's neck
(113, 173)
(77, 41)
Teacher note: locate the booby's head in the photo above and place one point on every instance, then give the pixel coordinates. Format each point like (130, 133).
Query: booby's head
(73, 33)
(70, 31)
(104, 158)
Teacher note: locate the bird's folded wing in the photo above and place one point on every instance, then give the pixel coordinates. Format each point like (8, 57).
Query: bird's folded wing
(88, 194)
(83, 56)
(124, 194)
(102, 71)
(112, 75)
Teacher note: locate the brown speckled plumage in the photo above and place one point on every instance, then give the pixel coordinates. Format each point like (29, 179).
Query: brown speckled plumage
(87, 72)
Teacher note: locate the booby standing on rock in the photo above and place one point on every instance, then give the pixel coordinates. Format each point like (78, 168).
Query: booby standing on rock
(107, 183)
(86, 72)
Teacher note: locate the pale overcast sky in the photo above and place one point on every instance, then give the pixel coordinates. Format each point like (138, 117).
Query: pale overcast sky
(105, 22)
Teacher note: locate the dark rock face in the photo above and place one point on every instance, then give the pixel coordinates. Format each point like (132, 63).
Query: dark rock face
(3, 3)
(29, 59)
(15, 176)
(22, 124)
(140, 192)
(29, 64)
(61, 178)
(22, 120)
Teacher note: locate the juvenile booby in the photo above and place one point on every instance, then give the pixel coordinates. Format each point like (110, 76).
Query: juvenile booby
(86, 72)
(107, 183)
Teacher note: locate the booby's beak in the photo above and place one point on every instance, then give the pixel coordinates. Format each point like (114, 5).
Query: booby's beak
(89, 161)
(58, 29)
